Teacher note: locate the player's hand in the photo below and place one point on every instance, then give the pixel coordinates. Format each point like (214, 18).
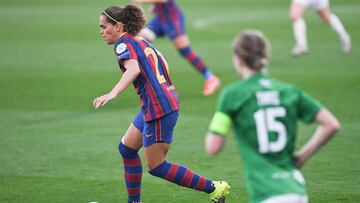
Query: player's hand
(299, 159)
(102, 100)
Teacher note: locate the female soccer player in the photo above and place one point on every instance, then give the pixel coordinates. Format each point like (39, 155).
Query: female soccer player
(169, 20)
(147, 69)
(264, 113)
(297, 11)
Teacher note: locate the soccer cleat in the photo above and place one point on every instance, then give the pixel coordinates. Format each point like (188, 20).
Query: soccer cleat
(220, 192)
(211, 85)
(298, 50)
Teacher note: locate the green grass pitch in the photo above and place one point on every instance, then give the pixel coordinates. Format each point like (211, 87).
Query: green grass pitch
(55, 148)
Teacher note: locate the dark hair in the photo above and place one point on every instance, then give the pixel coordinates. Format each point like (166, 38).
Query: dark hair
(131, 16)
(252, 47)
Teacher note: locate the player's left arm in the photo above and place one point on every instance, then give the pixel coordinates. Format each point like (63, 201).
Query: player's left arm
(311, 110)
(218, 129)
(132, 71)
(328, 126)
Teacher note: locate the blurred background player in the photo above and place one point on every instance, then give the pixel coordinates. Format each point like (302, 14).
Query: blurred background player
(147, 69)
(169, 20)
(297, 11)
(264, 113)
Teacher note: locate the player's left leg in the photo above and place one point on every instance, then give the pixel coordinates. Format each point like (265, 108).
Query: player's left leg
(297, 11)
(175, 31)
(330, 18)
(212, 83)
(182, 44)
(157, 144)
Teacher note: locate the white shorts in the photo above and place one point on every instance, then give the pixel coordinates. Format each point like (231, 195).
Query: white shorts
(315, 4)
(287, 198)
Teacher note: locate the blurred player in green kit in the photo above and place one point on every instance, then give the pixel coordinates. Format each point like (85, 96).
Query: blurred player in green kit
(264, 112)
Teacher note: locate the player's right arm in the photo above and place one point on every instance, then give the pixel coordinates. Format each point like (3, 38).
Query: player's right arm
(132, 71)
(127, 56)
(220, 125)
(328, 126)
(218, 129)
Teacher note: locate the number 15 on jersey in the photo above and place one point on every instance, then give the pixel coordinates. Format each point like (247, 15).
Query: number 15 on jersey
(266, 122)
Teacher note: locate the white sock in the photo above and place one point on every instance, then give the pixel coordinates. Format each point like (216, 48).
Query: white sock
(338, 27)
(299, 28)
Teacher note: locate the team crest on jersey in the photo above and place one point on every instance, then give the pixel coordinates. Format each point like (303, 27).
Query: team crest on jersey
(120, 48)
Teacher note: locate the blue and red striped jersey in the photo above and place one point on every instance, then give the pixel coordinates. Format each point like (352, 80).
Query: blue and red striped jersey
(168, 12)
(157, 93)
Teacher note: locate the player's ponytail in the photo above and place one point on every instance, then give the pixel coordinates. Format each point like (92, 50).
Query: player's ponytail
(252, 47)
(132, 17)
(135, 19)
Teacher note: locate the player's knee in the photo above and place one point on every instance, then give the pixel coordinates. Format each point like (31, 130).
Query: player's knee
(148, 34)
(125, 151)
(325, 16)
(294, 17)
(181, 41)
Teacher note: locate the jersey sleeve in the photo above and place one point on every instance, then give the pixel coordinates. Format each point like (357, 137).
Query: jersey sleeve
(223, 104)
(308, 107)
(221, 122)
(125, 51)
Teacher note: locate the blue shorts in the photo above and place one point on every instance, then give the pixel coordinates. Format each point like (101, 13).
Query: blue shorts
(159, 130)
(168, 28)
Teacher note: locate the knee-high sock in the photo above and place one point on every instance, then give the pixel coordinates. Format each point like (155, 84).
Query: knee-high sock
(182, 176)
(132, 172)
(299, 28)
(338, 27)
(193, 58)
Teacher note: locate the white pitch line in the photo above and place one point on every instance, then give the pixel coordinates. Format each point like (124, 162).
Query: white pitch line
(256, 15)
(237, 17)
(202, 23)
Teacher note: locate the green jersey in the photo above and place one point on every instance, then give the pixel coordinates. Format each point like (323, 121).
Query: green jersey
(264, 114)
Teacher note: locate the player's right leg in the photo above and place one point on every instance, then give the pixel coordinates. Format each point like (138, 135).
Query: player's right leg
(330, 18)
(297, 11)
(129, 146)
